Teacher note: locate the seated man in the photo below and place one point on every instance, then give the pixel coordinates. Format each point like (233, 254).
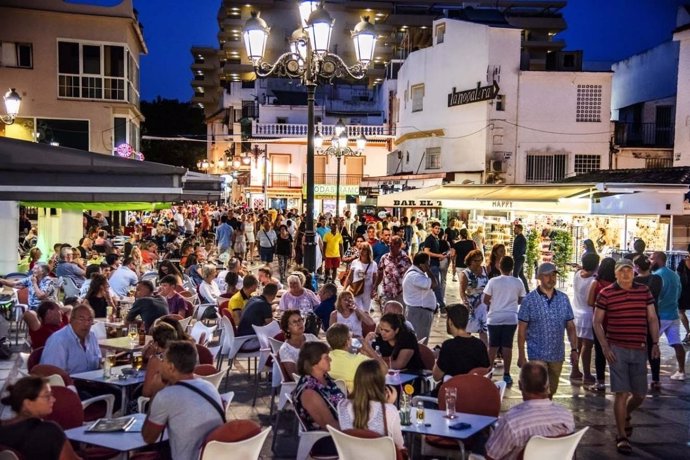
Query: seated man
(257, 312)
(41, 287)
(463, 352)
(123, 278)
(74, 348)
(177, 305)
(190, 408)
(328, 295)
(43, 322)
(395, 307)
(536, 416)
(66, 268)
(147, 305)
(343, 363)
(264, 276)
(239, 300)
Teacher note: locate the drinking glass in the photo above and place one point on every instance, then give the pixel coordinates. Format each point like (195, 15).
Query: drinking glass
(133, 334)
(108, 363)
(450, 396)
(137, 360)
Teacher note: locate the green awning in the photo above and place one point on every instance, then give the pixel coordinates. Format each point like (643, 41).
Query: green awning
(98, 205)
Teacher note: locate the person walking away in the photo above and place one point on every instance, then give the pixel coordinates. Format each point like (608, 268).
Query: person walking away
(627, 309)
(643, 267)
(519, 255)
(684, 303)
(584, 315)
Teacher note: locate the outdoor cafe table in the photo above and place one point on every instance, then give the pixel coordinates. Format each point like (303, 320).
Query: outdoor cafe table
(436, 424)
(116, 323)
(120, 441)
(124, 384)
(122, 344)
(399, 378)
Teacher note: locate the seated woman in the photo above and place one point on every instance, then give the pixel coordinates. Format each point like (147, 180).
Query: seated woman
(292, 325)
(208, 290)
(168, 268)
(316, 395)
(398, 343)
(162, 333)
(43, 322)
(99, 296)
(27, 433)
(346, 312)
(371, 405)
(297, 297)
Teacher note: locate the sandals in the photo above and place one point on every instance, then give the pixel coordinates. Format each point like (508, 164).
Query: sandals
(628, 427)
(623, 445)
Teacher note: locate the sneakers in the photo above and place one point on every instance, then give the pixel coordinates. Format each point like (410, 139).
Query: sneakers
(596, 388)
(507, 379)
(680, 376)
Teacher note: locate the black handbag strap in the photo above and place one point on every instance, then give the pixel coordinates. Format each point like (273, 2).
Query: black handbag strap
(214, 403)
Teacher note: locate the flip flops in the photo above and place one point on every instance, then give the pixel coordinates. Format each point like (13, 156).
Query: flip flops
(623, 445)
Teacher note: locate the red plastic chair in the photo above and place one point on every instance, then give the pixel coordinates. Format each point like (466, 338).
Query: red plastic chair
(34, 358)
(427, 356)
(46, 370)
(205, 369)
(232, 431)
(205, 355)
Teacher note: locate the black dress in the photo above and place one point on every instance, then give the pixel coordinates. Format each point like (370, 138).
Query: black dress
(99, 305)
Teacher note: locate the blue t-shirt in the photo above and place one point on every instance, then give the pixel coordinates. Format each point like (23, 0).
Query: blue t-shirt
(669, 295)
(546, 320)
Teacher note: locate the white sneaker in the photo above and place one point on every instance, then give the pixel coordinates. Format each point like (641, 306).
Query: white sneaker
(678, 376)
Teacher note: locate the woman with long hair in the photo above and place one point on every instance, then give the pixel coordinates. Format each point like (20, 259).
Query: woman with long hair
(399, 344)
(346, 312)
(606, 276)
(498, 251)
(166, 267)
(370, 406)
(250, 233)
(27, 433)
(98, 295)
(363, 268)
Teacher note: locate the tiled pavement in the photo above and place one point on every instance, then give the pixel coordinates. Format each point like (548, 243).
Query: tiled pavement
(661, 426)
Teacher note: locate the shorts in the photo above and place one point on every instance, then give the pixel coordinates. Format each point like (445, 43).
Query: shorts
(672, 330)
(332, 263)
(266, 254)
(629, 372)
(501, 335)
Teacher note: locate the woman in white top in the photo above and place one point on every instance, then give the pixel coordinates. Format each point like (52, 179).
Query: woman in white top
(363, 268)
(209, 290)
(346, 312)
(292, 325)
(249, 234)
(370, 405)
(584, 316)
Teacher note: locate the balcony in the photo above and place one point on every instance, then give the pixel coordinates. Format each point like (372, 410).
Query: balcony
(300, 130)
(652, 135)
(277, 180)
(332, 179)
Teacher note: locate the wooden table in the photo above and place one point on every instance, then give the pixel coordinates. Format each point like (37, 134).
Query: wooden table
(123, 344)
(436, 423)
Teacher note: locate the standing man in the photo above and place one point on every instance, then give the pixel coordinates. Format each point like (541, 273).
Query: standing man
(382, 246)
(544, 314)
(223, 235)
(333, 250)
(392, 268)
(418, 293)
(519, 254)
(627, 308)
(267, 242)
(432, 247)
(668, 309)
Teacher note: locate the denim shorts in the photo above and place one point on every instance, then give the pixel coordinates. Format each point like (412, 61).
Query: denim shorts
(266, 254)
(629, 372)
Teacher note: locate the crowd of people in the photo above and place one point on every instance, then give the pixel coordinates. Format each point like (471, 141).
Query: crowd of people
(367, 308)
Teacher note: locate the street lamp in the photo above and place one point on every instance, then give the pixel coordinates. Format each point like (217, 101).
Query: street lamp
(12, 103)
(310, 61)
(339, 148)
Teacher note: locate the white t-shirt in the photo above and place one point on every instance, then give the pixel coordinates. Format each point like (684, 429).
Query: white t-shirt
(505, 291)
(581, 286)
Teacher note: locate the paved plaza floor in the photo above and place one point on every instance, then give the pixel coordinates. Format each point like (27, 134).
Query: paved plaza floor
(661, 426)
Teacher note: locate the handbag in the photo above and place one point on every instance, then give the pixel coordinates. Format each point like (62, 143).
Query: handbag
(357, 287)
(342, 276)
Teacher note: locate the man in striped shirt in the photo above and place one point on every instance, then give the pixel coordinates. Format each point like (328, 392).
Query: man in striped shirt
(536, 416)
(627, 308)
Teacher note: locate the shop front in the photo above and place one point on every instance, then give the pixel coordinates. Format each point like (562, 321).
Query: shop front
(325, 198)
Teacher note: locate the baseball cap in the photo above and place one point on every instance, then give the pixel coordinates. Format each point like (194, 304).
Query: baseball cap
(546, 268)
(622, 263)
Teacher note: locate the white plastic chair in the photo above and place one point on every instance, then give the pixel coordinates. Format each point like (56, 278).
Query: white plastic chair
(230, 345)
(227, 399)
(185, 323)
(201, 333)
(69, 287)
(8, 455)
(284, 387)
(501, 385)
(354, 448)
(249, 449)
(99, 330)
(213, 379)
(307, 439)
(263, 333)
(201, 308)
(150, 276)
(540, 447)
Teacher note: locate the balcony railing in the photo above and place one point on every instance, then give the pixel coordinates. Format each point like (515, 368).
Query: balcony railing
(332, 179)
(300, 130)
(659, 135)
(278, 180)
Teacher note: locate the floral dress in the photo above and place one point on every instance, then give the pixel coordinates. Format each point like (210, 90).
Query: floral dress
(474, 293)
(330, 393)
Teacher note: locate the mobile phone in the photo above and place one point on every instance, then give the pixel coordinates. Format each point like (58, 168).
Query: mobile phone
(460, 426)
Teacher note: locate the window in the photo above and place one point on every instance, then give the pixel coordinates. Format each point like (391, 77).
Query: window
(587, 163)
(545, 168)
(16, 55)
(440, 32)
(656, 163)
(97, 71)
(65, 133)
(433, 158)
(417, 98)
(588, 103)
(500, 103)
(125, 131)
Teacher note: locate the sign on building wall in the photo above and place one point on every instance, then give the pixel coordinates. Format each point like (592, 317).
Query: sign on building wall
(330, 189)
(478, 94)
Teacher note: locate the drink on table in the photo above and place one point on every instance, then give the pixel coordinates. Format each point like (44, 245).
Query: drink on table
(420, 413)
(108, 363)
(137, 361)
(133, 334)
(450, 399)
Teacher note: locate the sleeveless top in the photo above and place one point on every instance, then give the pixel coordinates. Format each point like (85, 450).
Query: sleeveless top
(352, 322)
(330, 393)
(475, 286)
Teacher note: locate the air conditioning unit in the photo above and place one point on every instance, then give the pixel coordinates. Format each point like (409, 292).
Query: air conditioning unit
(496, 166)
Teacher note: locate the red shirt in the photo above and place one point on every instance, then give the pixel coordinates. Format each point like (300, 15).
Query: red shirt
(39, 336)
(626, 314)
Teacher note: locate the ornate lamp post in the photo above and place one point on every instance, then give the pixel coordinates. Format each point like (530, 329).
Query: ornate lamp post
(310, 61)
(339, 148)
(12, 104)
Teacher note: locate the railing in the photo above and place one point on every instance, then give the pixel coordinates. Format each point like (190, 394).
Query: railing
(283, 180)
(332, 179)
(644, 134)
(300, 130)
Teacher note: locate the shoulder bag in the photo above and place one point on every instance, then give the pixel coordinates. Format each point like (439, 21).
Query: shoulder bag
(357, 287)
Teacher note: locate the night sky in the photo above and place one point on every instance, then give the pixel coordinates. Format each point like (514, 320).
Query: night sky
(606, 30)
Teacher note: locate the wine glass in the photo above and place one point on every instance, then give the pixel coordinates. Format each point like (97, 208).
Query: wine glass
(133, 334)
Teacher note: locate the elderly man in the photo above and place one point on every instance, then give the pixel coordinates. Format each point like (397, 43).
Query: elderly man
(189, 407)
(147, 305)
(627, 309)
(66, 268)
(418, 294)
(537, 415)
(124, 278)
(544, 315)
(392, 268)
(74, 348)
(40, 286)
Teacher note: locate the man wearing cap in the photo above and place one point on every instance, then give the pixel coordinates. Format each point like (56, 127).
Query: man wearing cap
(544, 314)
(627, 308)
